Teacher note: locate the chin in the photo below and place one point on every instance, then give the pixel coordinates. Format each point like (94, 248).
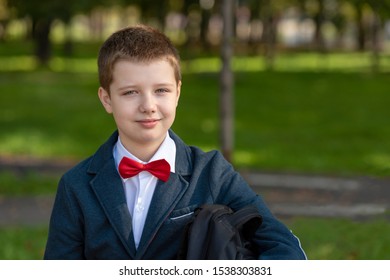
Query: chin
(150, 139)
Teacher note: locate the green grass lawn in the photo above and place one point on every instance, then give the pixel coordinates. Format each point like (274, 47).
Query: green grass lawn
(322, 239)
(341, 239)
(22, 243)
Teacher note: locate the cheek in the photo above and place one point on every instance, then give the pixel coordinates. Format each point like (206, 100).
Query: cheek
(170, 108)
(122, 111)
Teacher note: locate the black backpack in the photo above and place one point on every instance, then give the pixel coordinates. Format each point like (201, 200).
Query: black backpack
(218, 233)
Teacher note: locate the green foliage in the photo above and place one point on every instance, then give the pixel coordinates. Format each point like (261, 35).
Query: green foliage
(54, 9)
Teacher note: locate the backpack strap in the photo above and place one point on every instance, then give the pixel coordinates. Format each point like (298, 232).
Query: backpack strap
(247, 220)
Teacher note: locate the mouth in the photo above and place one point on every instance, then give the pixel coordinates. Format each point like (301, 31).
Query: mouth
(148, 123)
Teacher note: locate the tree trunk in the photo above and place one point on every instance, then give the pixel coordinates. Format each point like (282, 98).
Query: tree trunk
(319, 42)
(361, 36)
(375, 42)
(270, 41)
(269, 34)
(41, 34)
(204, 26)
(226, 82)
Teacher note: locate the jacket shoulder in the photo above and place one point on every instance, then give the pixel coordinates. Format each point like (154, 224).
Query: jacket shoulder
(190, 158)
(78, 174)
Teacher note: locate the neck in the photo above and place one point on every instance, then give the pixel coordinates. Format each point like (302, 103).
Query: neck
(143, 152)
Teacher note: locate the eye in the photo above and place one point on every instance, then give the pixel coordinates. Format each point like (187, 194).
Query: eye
(162, 90)
(130, 92)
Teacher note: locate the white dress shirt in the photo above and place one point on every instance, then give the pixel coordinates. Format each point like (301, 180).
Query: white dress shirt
(140, 188)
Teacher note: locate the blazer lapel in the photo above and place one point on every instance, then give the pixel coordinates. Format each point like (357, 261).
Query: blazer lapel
(165, 198)
(108, 188)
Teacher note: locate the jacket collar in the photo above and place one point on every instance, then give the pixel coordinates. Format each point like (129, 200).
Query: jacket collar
(105, 153)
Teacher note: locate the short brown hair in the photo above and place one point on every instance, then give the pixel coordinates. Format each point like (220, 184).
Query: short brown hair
(139, 43)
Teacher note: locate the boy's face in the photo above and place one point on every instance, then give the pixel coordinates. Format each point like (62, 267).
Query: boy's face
(143, 99)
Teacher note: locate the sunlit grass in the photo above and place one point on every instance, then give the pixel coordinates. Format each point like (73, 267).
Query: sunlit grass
(379, 160)
(75, 65)
(337, 239)
(18, 63)
(344, 62)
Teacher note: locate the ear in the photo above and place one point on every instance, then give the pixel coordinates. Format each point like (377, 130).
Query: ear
(178, 92)
(105, 98)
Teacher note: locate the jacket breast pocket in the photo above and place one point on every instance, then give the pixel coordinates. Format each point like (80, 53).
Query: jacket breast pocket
(183, 215)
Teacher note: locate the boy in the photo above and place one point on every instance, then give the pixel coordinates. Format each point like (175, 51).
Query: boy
(106, 208)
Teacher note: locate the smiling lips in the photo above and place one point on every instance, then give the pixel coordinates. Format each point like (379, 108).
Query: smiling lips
(149, 123)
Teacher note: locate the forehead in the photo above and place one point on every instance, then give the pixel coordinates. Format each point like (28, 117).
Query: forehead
(126, 71)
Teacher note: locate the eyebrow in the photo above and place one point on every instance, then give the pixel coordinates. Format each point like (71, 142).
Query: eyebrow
(156, 85)
(165, 85)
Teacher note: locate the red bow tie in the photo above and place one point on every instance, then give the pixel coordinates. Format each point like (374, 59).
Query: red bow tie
(159, 168)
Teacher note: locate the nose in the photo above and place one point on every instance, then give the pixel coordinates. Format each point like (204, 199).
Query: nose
(148, 104)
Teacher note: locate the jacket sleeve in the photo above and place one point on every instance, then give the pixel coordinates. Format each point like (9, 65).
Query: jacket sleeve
(65, 239)
(273, 239)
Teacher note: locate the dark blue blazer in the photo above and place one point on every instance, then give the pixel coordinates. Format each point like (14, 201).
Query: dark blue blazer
(90, 219)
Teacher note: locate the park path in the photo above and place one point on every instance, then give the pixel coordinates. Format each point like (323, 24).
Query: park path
(287, 195)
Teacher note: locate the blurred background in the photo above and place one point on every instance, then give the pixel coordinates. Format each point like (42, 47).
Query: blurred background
(307, 99)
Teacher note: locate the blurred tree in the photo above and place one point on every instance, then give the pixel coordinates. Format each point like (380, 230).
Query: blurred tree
(198, 14)
(319, 11)
(4, 17)
(43, 14)
(370, 15)
(192, 11)
(41, 17)
(319, 18)
(151, 10)
(367, 26)
(208, 7)
(360, 6)
(380, 11)
(270, 11)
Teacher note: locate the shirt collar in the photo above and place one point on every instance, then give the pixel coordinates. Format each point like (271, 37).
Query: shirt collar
(167, 151)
